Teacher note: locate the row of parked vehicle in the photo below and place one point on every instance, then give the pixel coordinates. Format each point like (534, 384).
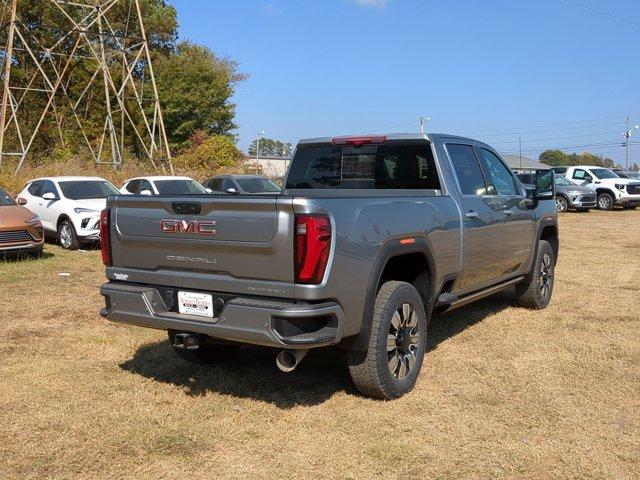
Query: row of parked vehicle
(584, 187)
(68, 208)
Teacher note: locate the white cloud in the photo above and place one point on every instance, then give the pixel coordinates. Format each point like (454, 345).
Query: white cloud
(372, 3)
(271, 9)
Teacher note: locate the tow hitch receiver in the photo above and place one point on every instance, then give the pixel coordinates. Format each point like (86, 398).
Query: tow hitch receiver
(187, 341)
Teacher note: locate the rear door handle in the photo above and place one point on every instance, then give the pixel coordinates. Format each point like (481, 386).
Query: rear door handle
(471, 214)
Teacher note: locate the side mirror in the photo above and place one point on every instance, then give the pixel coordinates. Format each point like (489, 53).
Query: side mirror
(231, 190)
(22, 201)
(145, 192)
(588, 179)
(545, 185)
(209, 190)
(49, 196)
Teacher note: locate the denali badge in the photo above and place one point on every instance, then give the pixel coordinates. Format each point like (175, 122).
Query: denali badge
(197, 227)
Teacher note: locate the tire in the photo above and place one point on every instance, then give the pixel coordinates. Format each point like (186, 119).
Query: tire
(67, 236)
(605, 201)
(207, 353)
(390, 366)
(561, 204)
(536, 290)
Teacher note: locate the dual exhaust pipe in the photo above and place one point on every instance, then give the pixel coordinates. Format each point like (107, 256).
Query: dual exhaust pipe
(288, 360)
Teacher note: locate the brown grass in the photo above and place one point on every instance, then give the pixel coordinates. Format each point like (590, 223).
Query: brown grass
(504, 392)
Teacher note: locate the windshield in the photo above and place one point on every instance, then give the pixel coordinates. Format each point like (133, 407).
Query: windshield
(562, 181)
(179, 187)
(5, 199)
(87, 189)
(603, 173)
(257, 185)
(392, 165)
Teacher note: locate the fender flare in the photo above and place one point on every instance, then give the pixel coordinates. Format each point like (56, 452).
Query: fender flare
(389, 250)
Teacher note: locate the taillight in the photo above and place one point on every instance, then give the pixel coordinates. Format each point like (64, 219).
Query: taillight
(359, 141)
(105, 237)
(313, 243)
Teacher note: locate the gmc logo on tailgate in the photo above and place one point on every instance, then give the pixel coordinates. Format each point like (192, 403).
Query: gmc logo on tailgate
(196, 227)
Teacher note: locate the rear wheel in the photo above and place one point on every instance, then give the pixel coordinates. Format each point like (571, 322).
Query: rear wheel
(535, 291)
(67, 236)
(390, 366)
(205, 354)
(561, 204)
(605, 201)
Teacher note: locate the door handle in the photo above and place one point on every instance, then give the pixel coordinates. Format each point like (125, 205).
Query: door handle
(471, 214)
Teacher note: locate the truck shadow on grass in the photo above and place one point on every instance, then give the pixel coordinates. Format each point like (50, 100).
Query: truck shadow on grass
(252, 373)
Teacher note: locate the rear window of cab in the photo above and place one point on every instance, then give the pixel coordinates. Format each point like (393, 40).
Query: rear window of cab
(391, 165)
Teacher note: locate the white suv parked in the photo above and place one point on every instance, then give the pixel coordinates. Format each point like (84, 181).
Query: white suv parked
(69, 207)
(162, 185)
(611, 189)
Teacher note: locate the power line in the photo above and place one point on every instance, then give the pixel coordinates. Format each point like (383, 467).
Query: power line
(581, 127)
(549, 125)
(610, 15)
(524, 140)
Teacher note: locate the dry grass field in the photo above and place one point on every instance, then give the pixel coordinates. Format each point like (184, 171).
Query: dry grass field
(504, 392)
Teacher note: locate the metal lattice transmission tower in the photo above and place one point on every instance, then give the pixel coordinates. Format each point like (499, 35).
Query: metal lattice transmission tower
(89, 72)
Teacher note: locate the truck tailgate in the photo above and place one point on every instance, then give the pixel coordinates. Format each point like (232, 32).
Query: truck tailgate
(236, 244)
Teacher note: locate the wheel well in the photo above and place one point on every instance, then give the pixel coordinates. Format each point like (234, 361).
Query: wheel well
(550, 234)
(605, 190)
(61, 219)
(412, 268)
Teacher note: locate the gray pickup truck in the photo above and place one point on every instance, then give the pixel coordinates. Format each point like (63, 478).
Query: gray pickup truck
(368, 239)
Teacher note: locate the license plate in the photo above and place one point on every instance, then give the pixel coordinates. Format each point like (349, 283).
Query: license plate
(198, 304)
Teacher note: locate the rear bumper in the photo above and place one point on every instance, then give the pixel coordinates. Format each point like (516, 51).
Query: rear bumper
(243, 320)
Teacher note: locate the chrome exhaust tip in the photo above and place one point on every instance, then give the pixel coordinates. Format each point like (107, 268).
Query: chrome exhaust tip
(288, 360)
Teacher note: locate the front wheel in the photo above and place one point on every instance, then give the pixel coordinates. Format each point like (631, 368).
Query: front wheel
(561, 204)
(605, 201)
(535, 290)
(397, 344)
(67, 236)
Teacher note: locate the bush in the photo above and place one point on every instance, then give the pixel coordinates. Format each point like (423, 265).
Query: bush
(217, 153)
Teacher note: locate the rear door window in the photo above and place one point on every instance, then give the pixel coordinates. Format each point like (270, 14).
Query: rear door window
(393, 165)
(467, 168)
(35, 188)
(134, 187)
(49, 187)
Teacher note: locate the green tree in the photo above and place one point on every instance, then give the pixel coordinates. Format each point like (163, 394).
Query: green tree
(195, 88)
(271, 148)
(215, 152)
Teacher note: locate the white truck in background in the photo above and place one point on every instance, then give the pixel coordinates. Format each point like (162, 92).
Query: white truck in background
(611, 189)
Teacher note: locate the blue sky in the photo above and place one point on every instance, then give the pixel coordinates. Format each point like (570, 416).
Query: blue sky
(553, 73)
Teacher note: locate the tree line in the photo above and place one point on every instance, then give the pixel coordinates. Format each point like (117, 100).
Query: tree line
(558, 158)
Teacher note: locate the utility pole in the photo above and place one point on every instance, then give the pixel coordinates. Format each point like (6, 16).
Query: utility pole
(520, 147)
(7, 73)
(260, 134)
(627, 136)
(423, 120)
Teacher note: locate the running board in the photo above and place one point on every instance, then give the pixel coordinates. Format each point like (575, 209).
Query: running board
(484, 293)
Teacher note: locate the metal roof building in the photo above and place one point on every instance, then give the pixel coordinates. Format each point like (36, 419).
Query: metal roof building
(514, 162)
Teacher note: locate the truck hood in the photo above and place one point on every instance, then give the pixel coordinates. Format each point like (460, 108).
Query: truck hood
(617, 181)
